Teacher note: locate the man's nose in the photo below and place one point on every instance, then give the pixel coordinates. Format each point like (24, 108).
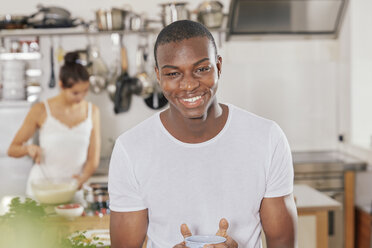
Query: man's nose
(189, 84)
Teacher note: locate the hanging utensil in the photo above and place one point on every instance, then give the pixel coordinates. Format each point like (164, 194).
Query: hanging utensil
(98, 70)
(144, 85)
(123, 93)
(52, 80)
(120, 54)
(123, 87)
(156, 100)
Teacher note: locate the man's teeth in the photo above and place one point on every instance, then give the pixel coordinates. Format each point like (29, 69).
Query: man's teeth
(192, 99)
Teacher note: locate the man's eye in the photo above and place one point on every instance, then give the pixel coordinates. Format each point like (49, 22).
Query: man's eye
(171, 74)
(204, 69)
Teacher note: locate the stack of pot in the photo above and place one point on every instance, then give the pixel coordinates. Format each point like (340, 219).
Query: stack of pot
(209, 13)
(13, 78)
(119, 19)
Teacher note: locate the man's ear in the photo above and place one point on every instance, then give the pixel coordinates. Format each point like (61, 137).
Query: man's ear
(157, 74)
(219, 65)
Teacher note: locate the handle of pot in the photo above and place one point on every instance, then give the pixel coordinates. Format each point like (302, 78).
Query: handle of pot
(124, 59)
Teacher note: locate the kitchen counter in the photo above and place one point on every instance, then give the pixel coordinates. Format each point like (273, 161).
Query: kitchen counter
(309, 199)
(81, 223)
(328, 160)
(312, 203)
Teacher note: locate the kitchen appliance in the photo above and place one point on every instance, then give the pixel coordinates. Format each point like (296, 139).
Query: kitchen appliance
(311, 17)
(210, 14)
(174, 11)
(324, 171)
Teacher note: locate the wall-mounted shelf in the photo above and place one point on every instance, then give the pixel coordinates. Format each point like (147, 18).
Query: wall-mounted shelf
(14, 104)
(77, 31)
(20, 56)
(66, 31)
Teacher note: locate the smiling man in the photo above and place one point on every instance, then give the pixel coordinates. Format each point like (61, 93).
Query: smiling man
(199, 166)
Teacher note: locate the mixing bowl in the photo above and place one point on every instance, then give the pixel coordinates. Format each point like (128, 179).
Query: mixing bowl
(54, 190)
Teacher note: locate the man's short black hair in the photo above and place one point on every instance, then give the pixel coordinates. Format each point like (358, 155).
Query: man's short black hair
(182, 30)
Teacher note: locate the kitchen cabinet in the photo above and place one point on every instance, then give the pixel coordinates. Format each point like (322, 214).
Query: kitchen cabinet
(332, 173)
(312, 210)
(363, 230)
(311, 202)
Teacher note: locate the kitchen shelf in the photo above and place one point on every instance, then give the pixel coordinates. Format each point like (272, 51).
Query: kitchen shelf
(20, 56)
(15, 104)
(78, 31)
(66, 31)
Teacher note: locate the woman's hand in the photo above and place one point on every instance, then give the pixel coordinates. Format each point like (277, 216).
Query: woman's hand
(34, 152)
(222, 231)
(79, 180)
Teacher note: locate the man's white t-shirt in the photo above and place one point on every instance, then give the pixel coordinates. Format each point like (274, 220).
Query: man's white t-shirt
(198, 184)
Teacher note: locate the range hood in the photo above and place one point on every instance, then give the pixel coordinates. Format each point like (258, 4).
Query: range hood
(285, 17)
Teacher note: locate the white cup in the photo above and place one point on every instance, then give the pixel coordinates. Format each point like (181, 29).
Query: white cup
(198, 241)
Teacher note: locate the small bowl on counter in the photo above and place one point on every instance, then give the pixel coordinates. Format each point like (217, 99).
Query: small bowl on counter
(69, 211)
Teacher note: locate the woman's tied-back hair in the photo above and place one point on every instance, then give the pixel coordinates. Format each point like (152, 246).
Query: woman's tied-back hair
(72, 72)
(182, 30)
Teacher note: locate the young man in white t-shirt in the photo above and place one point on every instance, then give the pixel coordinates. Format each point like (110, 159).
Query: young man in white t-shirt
(199, 166)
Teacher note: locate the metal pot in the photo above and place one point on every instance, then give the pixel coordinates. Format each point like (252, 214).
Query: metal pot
(210, 14)
(113, 19)
(172, 12)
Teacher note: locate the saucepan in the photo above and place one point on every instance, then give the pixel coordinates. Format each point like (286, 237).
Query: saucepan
(210, 14)
(111, 19)
(174, 11)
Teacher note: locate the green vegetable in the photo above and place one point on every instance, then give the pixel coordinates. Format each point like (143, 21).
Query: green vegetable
(25, 226)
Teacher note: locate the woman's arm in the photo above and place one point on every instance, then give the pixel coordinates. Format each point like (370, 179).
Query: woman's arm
(93, 150)
(18, 148)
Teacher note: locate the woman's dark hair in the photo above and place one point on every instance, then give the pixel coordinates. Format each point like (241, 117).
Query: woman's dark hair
(72, 71)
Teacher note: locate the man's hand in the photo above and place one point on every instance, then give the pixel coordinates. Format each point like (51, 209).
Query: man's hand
(34, 152)
(222, 231)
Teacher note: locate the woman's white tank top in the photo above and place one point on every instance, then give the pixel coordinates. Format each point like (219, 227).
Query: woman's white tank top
(64, 148)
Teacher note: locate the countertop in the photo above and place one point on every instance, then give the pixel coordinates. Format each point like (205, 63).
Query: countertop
(309, 199)
(334, 160)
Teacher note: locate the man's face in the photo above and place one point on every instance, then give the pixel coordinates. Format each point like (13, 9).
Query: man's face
(188, 73)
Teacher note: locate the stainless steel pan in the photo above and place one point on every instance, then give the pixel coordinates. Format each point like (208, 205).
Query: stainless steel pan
(172, 12)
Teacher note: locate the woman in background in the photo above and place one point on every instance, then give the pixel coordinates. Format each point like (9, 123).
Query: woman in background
(69, 130)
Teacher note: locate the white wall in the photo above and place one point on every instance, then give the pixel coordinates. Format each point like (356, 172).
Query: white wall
(294, 82)
(361, 73)
(357, 91)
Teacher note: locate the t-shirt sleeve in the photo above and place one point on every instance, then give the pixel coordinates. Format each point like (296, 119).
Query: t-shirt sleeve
(123, 187)
(280, 173)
